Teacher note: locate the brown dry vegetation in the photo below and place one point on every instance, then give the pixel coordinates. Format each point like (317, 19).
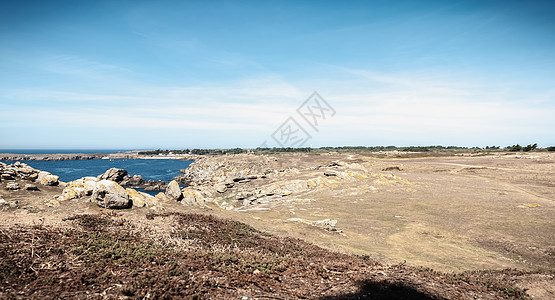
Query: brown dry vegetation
(110, 256)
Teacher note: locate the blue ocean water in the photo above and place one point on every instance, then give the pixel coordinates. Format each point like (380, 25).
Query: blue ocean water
(150, 169)
(60, 151)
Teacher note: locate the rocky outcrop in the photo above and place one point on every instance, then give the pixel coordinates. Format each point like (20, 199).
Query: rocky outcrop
(76, 189)
(23, 171)
(109, 194)
(113, 174)
(134, 181)
(152, 185)
(173, 192)
(87, 186)
(17, 170)
(137, 181)
(220, 168)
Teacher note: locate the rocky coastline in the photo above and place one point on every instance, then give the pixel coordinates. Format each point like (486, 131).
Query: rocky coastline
(86, 156)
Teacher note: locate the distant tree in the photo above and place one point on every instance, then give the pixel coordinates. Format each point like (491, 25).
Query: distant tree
(514, 148)
(530, 147)
(552, 148)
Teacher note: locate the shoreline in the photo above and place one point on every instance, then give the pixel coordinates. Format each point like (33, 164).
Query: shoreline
(88, 156)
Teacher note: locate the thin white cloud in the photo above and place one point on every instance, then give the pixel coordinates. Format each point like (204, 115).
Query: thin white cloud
(74, 65)
(404, 107)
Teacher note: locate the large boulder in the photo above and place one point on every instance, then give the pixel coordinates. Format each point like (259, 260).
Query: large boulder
(109, 194)
(75, 189)
(160, 196)
(113, 174)
(79, 188)
(47, 179)
(173, 192)
(192, 197)
(141, 199)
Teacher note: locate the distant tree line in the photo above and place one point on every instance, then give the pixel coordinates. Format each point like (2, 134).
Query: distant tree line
(517, 147)
(195, 151)
(267, 150)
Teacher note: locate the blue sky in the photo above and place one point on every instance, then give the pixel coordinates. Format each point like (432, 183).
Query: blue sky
(218, 74)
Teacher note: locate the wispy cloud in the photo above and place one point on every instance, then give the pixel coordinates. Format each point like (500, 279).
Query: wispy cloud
(75, 65)
(372, 107)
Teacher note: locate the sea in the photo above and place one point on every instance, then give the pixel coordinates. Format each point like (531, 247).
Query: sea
(69, 170)
(64, 151)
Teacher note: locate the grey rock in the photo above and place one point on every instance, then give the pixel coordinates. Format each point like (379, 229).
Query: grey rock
(331, 173)
(156, 187)
(3, 202)
(31, 187)
(26, 171)
(240, 178)
(334, 163)
(10, 171)
(13, 186)
(229, 183)
(113, 174)
(152, 185)
(394, 168)
(6, 176)
(109, 194)
(221, 188)
(136, 180)
(173, 192)
(33, 177)
(252, 177)
(47, 179)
